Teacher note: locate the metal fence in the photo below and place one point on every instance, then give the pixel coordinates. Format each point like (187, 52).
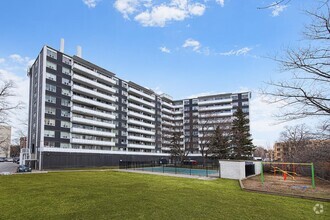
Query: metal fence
(207, 169)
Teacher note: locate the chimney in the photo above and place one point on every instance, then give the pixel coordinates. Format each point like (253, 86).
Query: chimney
(79, 51)
(62, 46)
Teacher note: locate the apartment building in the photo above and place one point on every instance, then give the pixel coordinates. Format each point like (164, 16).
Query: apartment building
(83, 115)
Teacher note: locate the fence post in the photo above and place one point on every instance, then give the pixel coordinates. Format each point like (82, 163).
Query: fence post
(313, 178)
(262, 174)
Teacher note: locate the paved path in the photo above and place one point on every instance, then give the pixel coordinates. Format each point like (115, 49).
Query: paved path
(8, 167)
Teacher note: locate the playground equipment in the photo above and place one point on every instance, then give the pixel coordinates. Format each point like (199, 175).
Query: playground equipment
(284, 170)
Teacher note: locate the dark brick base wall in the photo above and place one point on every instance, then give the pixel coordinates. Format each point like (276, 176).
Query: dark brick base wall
(60, 160)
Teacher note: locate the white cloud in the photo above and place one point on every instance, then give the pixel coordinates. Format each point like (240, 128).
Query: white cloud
(191, 43)
(165, 50)
(151, 14)
(127, 7)
(221, 2)
(90, 3)
(277, 9)
(242, 51)
(2, 60)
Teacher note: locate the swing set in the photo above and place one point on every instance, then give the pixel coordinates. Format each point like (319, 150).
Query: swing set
(286, 170)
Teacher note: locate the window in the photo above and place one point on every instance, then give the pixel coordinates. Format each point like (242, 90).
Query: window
(194, 101)
(66, 60)
(49, 144)
(245, 96)
(50, 88)
(50, 99)
(245, 103)
(65, 81)
(66, 92)
(65, 135)
(51, 76)
(235, 104)
(49, 133)
(50, 110)
(234, 97)
(65, 102)
(195, 108)
(65, 124)
(186, 102)
(65, 113)
(51, 65)
(50, 122)
(245, 110)
(66, 71)
(65, 145)
(124, 84)
(51, 54)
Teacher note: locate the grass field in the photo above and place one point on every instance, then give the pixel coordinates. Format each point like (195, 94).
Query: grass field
(119, 195)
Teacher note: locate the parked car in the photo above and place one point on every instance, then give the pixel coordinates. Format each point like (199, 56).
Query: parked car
(189, 162)
(16, 160)
(2, 159)
(163, 161)
(23, 168)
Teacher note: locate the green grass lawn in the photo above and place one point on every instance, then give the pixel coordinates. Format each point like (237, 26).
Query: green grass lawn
(119, 195)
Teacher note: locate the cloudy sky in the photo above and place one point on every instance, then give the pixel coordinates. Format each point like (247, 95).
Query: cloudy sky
(180, 47)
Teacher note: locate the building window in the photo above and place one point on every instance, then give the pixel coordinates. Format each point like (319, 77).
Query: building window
(65, 124)
(52, 54)
(50, 99)
(66, 92)
(51, 76)
(51, 65)
(245, 110)
(234, 97)
(186, 102)
(65, 102)
(124, 84)
(49, 122)
(66, 71)
(65, 145)
(245, 103)
(50, 88)
(65, 135)
(49, 144)
(65, 113)
(245, 96)
(194, 101)
(66, 60)
(65, 81)
(49, 133)
(50, 110)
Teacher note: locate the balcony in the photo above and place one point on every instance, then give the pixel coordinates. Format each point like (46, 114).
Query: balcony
(92, 112)
(167, 117)
(140, 123)
(92, 73)
(141, 146)
(93, 122)
(135, 91)
(137, 107)
(167, 111)
(139, 138)
(92, 132)
(215, 108)
(168, 104)
(214, 101)
(93, 102)
(139, 115)
(93, 93)
(137, 130)
(150, 104)
(92, 142)
(84, 80)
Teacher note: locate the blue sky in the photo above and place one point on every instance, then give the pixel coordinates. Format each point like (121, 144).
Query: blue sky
(180, 47)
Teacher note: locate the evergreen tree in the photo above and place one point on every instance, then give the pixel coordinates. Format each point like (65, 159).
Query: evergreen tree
(242, 146)
(220, 144)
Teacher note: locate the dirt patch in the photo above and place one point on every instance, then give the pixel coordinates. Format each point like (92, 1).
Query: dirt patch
(300, 186)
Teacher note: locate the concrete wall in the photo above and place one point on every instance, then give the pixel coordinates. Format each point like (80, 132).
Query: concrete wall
(236, 169)
(232, 169)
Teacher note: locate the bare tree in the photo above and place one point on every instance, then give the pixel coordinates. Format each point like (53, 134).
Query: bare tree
(260, 152)
(307, 92)
(294, 139)
(177, 150)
